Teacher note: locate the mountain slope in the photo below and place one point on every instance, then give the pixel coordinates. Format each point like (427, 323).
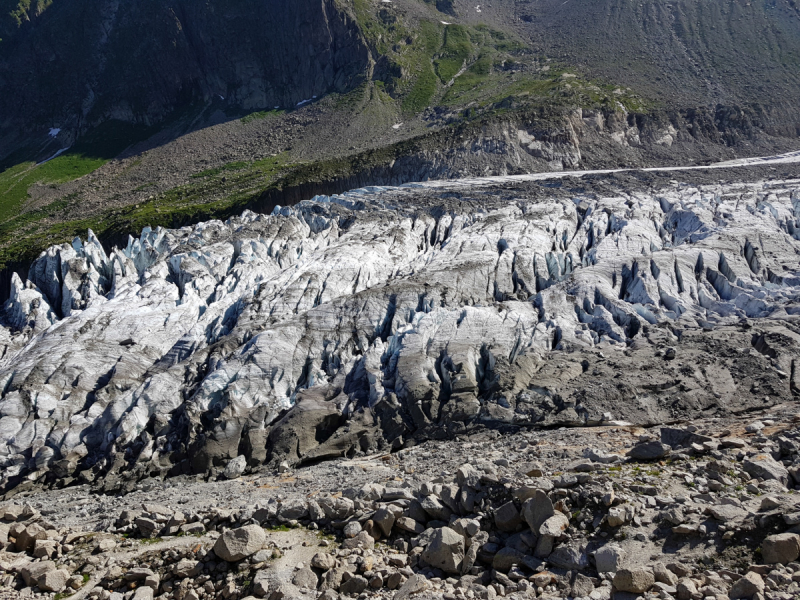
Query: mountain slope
(83, 63)
(682, 53)
(164, 110)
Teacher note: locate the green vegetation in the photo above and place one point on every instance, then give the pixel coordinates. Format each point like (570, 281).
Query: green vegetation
(15, 182)
(225, 190)
(455, 52)
(149, 541)
(234, 166)
(13, 13)
(422, 93)
(282, 527)
(264, 114)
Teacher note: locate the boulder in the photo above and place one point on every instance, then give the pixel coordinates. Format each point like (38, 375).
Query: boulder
(193, 528)
(32, 571)
(293, 509)
(652, 450)
(53, 580)
(336, 508)
(29, 536)
(537, 510)
(413, 586)
(305, 579)
(435, 509)
(782, 548)
(354, 586)
(569, 556)
(362, 540)
(235, 467)
(44, 548)
(765, 467)
(237, 544)
(187, 568)
(636, 580)
(145, 593)
(261, 584)
(385, 517)
(323, 561)
(507, 558)
(410, 525)
(582, 586)
(555, 525)
(747, 587)
(147, 527)
(445, 550)
(507, 517)
(685, 589)
(608, 559)
(664, 575)
(619, 515)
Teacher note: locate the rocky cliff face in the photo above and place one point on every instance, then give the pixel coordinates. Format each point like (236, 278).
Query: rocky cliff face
(355, 322)
(82, 63)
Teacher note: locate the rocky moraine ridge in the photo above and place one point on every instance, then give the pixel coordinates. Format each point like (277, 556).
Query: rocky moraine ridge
(700, 512)
(370, 321)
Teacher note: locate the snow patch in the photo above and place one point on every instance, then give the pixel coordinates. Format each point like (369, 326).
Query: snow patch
(397, 126)
(54, 132)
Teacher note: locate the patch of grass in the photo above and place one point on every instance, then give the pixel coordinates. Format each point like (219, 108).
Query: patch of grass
(282, 527)
(234, 166)
(150, 541)
(16, 181)
(261, 115)
(418, 61)
(86, 578)
(455, 51)
(422, 93)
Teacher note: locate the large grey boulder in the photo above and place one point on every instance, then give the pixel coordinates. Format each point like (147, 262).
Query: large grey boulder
(747, 587)
(54, 580)
(305, 579)
(235, 467)
(781, 548)
(385, 518)
(651, 450)
(537, 510)
(29, 536)
(33, 571)
(635, 580)
(765, 467)
(608, 559)
(445, 550)
(507, 517)
(236, 544)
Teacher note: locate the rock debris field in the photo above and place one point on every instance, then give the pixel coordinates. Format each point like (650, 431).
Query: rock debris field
(578, 387)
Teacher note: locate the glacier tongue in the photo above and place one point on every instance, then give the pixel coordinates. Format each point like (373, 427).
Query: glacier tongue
(352, 323)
